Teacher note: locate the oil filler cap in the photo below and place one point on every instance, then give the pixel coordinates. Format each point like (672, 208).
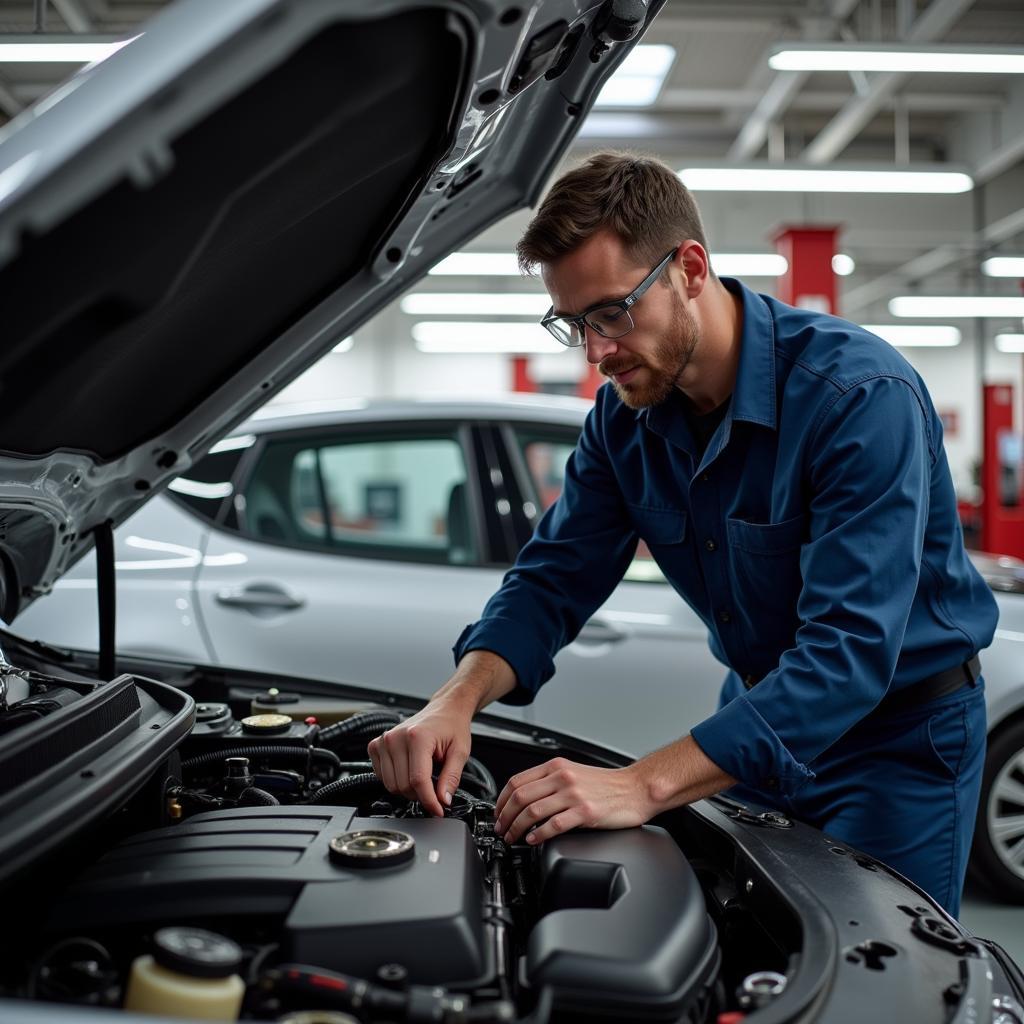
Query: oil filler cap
(196, 952)
(372, 848)
(266, 725)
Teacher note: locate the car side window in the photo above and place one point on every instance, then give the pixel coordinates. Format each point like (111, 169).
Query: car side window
(205, 486)
(545, 455)
(394, 497)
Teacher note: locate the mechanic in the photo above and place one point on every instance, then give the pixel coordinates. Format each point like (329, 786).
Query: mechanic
(787, 472)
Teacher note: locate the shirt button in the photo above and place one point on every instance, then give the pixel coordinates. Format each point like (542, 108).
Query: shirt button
(724, 616)
(710, 545)
(772, 783)
(705, 477)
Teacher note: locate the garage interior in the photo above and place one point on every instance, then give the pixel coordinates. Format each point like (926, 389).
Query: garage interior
(702, 94)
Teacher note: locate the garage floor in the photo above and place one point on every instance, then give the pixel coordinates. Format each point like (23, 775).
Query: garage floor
(989, 920)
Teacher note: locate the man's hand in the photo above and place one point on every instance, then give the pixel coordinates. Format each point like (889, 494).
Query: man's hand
(560, 795)
(403, 758)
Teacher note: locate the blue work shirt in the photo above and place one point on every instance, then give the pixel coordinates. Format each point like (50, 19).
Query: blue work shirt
(817, 537)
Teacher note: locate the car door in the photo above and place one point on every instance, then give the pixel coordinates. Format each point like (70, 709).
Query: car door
(640, 673)
(355, 554)
(157, 554)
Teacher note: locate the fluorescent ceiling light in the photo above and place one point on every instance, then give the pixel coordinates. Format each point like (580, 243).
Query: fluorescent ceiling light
(344, 345)
(1010, 342)
(975, 60)
(843, 265)
(957, 305)
(58, 49)
(467, 338)
(1004, 266)
(639, 78)
(917, 335)
(479, 264)
(749, 264)
(930, 179)
(476, 304)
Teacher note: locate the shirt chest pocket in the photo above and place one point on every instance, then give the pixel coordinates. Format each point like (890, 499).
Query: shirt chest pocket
(658, 527)
(767, 539)
(765, 564)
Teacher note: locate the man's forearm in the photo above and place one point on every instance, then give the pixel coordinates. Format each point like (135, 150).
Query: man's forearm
(678, 774)
(480, 678)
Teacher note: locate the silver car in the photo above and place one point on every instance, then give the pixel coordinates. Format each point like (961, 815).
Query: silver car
(355, 542)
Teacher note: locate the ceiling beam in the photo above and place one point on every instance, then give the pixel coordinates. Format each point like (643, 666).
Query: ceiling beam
(930, 263)
(931, 26)
(783, 88)
(75, 15)
(9, 102)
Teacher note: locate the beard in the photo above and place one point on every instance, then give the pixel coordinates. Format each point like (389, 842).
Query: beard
(663, 371)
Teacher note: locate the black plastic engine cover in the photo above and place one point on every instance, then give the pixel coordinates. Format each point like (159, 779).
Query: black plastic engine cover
(425, 914)
(626, 933)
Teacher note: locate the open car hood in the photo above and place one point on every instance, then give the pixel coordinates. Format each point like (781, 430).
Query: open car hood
(187, 226)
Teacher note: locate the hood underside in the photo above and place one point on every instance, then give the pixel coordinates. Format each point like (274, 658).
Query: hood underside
(189, 225)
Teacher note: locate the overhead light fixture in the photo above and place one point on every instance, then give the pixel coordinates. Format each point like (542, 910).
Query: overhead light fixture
(1003, 266)
(843, 265)
(917, 335)
(749, 264)
(470, 338)
(479, 264)
(476, 304)
(345, 345)
(957, 305)
(638, 80)
(918, 179)
(1010, 342)
(58, 49)
(974, 60)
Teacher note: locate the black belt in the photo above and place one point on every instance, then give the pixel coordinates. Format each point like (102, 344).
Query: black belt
(939, 685)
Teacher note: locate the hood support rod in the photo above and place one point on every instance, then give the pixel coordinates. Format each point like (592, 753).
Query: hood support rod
(106, 593)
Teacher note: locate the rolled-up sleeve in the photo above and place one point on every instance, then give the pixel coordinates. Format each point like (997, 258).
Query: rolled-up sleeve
(868, 470)
(564, 573)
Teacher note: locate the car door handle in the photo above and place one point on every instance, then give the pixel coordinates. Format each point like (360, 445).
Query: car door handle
(600, 631)
(257, 597)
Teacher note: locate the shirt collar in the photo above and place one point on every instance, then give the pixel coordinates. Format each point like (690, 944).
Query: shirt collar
(753, 398)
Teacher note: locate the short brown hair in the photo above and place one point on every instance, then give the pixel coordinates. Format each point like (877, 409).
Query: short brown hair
(636, 197)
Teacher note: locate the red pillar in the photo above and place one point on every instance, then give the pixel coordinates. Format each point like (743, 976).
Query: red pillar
(810, 281)
(521, 378)
(1002, 514)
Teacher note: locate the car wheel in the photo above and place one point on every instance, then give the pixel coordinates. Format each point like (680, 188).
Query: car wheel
(997, 857)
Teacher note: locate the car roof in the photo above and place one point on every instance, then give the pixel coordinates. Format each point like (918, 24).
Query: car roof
(530, 408)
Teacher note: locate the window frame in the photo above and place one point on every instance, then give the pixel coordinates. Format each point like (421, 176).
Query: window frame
(326, 436)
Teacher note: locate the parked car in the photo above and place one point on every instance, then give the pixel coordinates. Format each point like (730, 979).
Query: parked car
(354, 544)
(182, 230)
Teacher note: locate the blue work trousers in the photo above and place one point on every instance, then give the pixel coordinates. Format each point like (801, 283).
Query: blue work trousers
(902, 787)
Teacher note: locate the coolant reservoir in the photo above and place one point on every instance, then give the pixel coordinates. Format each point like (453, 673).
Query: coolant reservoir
(191, 973)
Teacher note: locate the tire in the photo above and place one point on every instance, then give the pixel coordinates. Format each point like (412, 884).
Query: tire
(997, 854)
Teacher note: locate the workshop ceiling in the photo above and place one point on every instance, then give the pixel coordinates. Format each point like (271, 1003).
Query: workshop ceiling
(722, 102)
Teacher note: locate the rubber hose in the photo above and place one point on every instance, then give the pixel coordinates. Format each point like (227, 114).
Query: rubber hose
(367, 781)
(366, 721)
(479, 770)
(266, 752)
(255, 797)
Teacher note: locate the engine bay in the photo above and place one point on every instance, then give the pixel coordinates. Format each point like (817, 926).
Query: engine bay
(217, 850)
(273, 835)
